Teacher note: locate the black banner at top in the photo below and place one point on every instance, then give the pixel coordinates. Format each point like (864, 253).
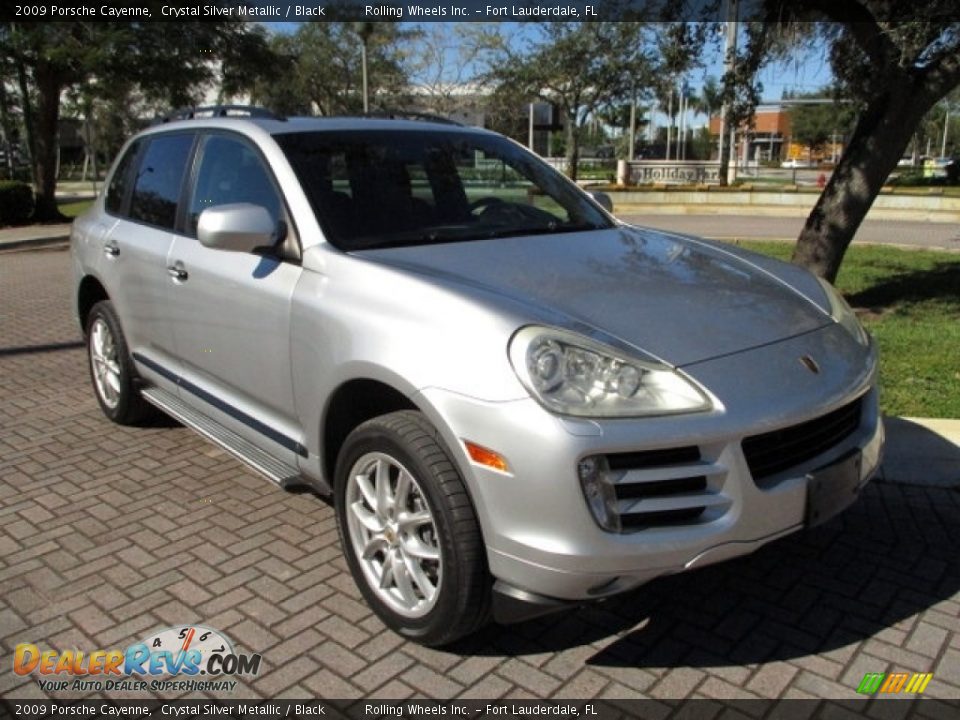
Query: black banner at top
(467, 10)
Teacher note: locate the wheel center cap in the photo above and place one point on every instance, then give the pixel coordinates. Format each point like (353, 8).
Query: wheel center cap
(390, 533)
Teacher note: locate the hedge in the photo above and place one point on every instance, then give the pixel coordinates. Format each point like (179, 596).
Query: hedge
(16, 202)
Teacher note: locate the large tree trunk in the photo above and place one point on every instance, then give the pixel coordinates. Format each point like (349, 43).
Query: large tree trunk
(7, 128)
(27, 108)
(45, 142)
(882, 133)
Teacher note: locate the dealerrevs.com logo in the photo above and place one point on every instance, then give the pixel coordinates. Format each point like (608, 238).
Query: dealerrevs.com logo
(204, 655)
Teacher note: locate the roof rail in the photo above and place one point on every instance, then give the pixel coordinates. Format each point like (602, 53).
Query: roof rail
(410, 115)
(217, 111)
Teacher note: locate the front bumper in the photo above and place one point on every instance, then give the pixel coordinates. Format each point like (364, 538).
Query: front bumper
(541, 537)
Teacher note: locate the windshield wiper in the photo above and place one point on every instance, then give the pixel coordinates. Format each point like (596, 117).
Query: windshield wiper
(548, 230)
(435, 237)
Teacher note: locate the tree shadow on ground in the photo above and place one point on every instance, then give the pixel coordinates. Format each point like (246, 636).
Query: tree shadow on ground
(942, 281)
(889, 557)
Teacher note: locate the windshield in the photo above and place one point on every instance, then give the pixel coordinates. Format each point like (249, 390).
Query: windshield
(381, 189)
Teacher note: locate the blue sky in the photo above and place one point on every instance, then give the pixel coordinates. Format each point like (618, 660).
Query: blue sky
(806, 72)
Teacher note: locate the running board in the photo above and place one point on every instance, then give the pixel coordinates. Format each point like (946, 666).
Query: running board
(246, 452)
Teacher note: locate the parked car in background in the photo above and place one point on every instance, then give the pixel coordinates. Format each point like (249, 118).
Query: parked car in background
(796, 163)
(517, 402)
(939, 167)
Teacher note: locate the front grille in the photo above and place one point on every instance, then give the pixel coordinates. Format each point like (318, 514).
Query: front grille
(663, 488)
(774, 452)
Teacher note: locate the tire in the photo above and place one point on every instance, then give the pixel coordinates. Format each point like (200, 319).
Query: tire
(112, 373)
(442, 598)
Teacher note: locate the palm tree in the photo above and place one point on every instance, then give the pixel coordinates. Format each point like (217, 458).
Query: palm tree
(708, 101)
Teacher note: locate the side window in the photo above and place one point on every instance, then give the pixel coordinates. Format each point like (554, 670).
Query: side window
(120, 180)
(231, 172)
(157, 184)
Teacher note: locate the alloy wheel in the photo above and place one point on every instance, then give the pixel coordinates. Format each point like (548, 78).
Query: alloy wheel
(105, 362)
(394, 534)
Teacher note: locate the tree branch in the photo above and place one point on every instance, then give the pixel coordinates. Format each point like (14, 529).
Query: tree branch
(856, 17)
(942, 75)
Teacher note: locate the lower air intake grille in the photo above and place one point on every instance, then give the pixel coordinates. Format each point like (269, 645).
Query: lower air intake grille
(661, 488)
(774, 452)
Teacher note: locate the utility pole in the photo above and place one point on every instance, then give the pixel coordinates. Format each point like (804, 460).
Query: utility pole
(633, 123)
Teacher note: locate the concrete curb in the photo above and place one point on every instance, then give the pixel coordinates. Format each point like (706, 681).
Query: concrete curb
(922, 451)
(30, 243)
(787, 211)
(33, 236)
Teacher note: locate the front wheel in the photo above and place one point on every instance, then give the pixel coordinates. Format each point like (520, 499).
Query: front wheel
(409, 531)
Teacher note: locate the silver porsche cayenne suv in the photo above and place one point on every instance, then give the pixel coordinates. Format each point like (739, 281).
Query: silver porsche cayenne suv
(516, 402)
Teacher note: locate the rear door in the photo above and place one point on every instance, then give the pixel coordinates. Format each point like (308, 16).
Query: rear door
(231, 310)
(143, 197)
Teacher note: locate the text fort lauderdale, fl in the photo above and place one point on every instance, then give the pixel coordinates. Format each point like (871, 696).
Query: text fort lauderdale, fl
(500, 11)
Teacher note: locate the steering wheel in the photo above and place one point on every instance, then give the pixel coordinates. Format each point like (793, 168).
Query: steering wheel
(485, 202)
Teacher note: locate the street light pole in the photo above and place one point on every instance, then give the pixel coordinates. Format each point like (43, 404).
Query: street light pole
(364, 30)
(946, 127)
(669, 122)
(530, 128)
(366, 94)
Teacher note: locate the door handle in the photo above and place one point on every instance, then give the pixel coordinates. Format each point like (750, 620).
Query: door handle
(177, 271)
(111, 248)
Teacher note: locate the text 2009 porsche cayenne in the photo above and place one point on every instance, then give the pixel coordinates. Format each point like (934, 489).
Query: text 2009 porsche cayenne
(516, 401)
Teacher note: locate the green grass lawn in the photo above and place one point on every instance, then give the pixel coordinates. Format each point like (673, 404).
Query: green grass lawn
(72, 209)
(909, 300)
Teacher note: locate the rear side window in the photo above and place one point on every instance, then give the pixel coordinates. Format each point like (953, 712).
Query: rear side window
(158, 180)
(120, 181)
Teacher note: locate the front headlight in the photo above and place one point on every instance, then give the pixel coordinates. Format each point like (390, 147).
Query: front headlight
(843, 313)
(573, 375)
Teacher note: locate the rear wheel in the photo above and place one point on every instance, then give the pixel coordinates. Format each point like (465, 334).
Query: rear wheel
(409, 531)
(111, 368)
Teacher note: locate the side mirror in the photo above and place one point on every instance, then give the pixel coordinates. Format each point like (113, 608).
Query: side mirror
(603, 200)
(241, 227)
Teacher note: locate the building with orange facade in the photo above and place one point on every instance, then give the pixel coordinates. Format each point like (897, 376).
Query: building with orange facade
(770, 139)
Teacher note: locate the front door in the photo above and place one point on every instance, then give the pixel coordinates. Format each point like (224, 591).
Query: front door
(231, 310)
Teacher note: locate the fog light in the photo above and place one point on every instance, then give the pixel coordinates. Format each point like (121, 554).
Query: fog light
(599, 492)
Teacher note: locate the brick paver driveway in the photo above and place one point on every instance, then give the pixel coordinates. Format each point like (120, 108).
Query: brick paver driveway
(107, 533)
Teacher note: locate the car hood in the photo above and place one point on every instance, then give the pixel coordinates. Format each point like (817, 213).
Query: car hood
(678, 299)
